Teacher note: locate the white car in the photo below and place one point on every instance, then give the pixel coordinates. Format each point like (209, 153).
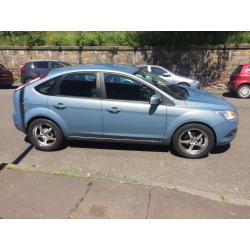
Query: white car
(171, 77)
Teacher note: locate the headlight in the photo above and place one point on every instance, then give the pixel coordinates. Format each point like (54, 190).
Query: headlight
(228, 115)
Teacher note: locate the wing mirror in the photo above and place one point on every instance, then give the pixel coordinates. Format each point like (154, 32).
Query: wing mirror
(166, 74)
(155, 100)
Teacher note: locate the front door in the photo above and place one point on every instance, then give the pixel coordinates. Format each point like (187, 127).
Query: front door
(127, 112)
(77, 105)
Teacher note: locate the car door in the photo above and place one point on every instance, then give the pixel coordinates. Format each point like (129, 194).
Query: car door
(127, 112)
(77, 104)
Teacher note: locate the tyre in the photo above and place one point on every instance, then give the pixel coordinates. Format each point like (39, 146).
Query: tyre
(243, 91)
(193, 141)
(45, 135)
(184, 84)
(27, 80)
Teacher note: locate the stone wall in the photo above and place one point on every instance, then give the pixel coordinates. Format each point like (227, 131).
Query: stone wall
(212, 65)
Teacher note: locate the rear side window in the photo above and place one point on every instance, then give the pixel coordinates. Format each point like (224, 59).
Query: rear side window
(79, 85)
(248, 69)
(48, 87)
(41, 65)
(56, 65)
(237, 70)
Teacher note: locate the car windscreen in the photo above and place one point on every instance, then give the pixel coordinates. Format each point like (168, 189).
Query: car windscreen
(2, 67)
(175, 91)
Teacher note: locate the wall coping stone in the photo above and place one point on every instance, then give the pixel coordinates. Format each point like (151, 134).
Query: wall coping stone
(126, 48)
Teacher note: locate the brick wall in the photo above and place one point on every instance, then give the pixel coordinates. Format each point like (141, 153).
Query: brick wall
(212, 65)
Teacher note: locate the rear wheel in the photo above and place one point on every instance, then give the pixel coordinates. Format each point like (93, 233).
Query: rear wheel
(193, 141)
(45, 135)
(243, 91)
(28, 80)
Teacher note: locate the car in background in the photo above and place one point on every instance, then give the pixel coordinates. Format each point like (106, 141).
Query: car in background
(6, 77)
(121, 103)
(171, 77)
(35, 69)
(239, 82)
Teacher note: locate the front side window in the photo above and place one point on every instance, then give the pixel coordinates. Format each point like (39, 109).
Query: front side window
(157, 71)
(248, 69)
(78, 85)
(120, 87)
(171, 89)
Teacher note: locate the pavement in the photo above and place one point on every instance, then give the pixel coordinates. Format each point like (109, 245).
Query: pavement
(38, 195)
(181, 186)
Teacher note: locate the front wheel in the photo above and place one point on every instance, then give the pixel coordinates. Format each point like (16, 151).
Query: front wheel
(193, 141)
(243, 91)
(45, 135)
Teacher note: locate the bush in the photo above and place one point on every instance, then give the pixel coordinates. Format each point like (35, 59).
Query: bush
(35, 39)
(123, 38)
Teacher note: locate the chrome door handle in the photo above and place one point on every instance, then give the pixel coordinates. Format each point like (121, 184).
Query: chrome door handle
(59, 106)
(114, 110)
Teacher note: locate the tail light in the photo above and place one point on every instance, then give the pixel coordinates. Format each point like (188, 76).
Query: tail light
(22, 69)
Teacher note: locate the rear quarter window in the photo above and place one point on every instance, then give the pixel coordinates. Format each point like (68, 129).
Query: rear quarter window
(48, 87)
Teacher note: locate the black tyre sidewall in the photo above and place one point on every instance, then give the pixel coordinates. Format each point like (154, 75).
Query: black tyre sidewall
(238, 91)
(178, 150)
(59, 135)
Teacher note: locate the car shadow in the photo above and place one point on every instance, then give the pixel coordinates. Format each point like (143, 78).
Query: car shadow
(9, 87)
(220, 149)
(118, 146)
(229, 94)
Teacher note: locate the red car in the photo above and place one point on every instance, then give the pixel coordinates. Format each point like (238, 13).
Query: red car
(239, 82)
(6, 77)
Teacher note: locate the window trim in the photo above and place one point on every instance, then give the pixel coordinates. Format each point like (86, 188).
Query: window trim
(104, 94)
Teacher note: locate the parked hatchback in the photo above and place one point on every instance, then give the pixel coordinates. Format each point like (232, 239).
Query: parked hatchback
(239, 81)
(6, 77)
(121, 103)
(34, 69)
(171, 77)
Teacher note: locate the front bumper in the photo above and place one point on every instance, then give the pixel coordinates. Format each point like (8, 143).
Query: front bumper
(226, 131)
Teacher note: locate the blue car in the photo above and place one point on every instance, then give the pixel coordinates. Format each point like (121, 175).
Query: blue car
(121, 103)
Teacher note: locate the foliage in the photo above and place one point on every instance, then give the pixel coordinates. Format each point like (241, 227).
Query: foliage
(123, 38)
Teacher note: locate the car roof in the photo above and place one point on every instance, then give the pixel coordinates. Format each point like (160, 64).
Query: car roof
(44, 61)
(127, 68)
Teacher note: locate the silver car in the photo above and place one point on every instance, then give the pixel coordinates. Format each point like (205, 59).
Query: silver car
(171, 77)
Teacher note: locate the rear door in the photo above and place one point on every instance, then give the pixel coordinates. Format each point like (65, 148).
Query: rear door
(77, 104)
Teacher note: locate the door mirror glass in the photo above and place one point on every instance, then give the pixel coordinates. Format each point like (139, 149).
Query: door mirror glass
(155, 100)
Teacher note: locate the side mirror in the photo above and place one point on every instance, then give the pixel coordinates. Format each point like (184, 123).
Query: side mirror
(166, 74)
(155, 100)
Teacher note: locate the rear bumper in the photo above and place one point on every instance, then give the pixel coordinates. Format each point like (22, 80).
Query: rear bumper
(226, 131)
(17, 121)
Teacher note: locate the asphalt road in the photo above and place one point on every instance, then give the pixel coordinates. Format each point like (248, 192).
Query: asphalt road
(223, 175)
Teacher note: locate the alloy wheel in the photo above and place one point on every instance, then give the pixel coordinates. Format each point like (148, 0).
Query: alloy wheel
(44, 134)
(193, 141)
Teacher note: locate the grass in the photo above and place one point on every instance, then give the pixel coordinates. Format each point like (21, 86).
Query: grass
(122, 38)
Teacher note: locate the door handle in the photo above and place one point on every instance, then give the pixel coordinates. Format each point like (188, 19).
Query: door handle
(114, 110)
(60, 106)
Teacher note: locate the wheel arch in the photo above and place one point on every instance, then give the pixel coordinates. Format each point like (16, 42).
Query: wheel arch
(196, 122)
(184, 83)
(41, 117)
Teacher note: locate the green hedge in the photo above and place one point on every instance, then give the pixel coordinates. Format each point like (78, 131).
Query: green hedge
(122, 38)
